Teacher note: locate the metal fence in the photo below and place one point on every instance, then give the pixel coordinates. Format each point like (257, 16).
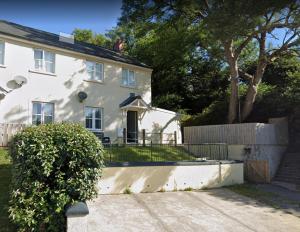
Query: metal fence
(164, 152)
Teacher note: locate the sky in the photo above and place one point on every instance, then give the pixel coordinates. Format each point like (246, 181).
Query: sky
(63, 16)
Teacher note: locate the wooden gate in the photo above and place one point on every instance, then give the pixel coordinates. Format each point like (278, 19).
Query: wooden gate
(257, 171)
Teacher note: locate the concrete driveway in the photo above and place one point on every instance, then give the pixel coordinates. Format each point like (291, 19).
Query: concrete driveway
(213, 210)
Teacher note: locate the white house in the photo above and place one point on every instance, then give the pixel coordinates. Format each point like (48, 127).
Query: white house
(49, 78)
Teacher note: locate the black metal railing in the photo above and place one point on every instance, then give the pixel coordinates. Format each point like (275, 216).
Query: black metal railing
(151, 152)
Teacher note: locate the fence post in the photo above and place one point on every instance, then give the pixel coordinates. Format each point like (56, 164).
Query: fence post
(151, 151)
(124, 136)
(175, 138)
(144, 137)
(161, 137)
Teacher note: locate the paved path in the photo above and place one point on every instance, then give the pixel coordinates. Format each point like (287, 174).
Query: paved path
(213, 210)
(285, 199)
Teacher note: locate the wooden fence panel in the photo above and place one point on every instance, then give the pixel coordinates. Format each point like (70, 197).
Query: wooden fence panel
(230, 134)
(245, 133)
(7, 131)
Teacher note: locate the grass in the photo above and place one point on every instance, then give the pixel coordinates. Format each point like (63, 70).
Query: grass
(5, 178)
(250, 190)
(146, 154)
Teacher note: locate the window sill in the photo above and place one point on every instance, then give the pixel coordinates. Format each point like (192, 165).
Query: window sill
(2, 66)
(95, 130)
(43, 73)
(129, 87)
(94, 81)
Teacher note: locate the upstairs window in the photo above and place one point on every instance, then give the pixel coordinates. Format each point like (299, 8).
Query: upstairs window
(2, 47)
(93, 118)
(42, 113)
(128, 78)
(95, 71)
(44, 61)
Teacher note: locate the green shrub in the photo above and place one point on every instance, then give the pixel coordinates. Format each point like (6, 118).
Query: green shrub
(53, 166)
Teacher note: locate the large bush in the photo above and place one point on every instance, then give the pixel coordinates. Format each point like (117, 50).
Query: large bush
(53, 166)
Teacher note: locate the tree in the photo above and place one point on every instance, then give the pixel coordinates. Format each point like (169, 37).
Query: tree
(184, 77)
(86, 35)
(233, 25)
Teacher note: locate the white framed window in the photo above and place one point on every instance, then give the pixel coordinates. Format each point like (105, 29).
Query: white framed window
(44, 61)
(128, 78)
(94, 70)
(93, 118)
(2, 52)
(42, 113)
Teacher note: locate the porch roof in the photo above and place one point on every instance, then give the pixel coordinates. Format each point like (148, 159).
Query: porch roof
(134, 103)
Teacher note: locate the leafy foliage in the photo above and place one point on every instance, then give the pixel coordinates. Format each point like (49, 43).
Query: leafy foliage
(53, 166)
(85, 35)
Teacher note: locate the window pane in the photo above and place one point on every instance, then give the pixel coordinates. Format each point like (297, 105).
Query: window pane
(36, 119)
(48, 109)
(38, 64)
(98, 72)
(48, 119)
(37, 108)
(97, 113)
(38, 54)
(49, 57)
(88, 112)
(131, 78)
(125, 76)
(90, 70)
(1, 53)
(97, 124)
(38, 59)
(88, 123)
(50, 67)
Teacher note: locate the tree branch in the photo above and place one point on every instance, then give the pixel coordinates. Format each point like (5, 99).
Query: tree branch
(245, 75)
(285, 46)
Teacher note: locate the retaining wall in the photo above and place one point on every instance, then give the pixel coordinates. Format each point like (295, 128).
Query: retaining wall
(181, 176)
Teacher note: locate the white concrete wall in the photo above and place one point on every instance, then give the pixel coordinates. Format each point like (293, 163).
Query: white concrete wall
(63, 87)
(270, 153)
(169, 178)
(159, 120)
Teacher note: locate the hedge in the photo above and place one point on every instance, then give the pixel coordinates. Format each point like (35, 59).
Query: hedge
(54, 165)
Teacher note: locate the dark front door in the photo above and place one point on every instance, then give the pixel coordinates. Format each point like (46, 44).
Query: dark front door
(132, 127)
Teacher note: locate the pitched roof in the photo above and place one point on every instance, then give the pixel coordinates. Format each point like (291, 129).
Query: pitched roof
(47, 38)
(129, 100)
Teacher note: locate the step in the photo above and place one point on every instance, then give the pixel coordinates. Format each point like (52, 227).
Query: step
(289, 172)
(290, 186)
(288, 176)
(288, 179)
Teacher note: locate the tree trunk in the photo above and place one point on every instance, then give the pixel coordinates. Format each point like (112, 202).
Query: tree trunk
(232, 61)
(252, 90)
(233, 103)
(254, 83)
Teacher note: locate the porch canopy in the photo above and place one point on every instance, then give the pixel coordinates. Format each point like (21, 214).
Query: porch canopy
(134, 103)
